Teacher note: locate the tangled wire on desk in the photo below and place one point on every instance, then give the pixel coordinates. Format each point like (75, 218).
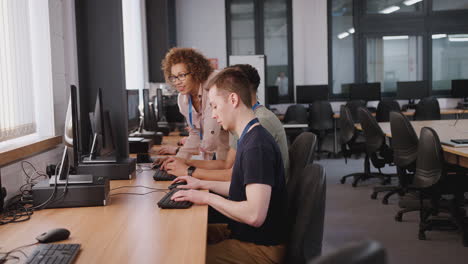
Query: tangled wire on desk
(19, 208)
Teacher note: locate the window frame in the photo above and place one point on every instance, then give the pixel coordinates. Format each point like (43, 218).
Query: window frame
(260, 41)
(425, 23)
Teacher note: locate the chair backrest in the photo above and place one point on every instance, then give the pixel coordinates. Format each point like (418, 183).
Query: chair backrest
(346, 123)
(306, 211)
(301, 152)
(404, 140)
(296, 114)
(427, 109)
(430, 161)
(353, 106)
(364, 252)
(320, 115)
(375, 137)
(384, 108)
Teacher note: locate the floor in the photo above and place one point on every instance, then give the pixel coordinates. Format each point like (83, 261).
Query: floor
(352, 216)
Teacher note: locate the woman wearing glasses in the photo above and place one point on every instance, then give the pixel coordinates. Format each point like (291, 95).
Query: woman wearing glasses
(188, 71)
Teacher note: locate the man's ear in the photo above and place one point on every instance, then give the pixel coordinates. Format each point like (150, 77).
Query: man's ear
(234, 99)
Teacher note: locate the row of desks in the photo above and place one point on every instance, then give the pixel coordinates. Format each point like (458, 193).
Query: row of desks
(130, 229)
(336, 116)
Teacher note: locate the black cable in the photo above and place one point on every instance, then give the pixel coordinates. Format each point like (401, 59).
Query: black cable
(7, 254)
(137, 186)
(165, 191)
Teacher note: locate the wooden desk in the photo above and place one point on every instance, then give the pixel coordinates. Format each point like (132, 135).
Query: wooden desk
(131, 229)
(446, 131)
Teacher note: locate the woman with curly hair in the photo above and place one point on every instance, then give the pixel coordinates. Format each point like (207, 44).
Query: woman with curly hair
(188, 71)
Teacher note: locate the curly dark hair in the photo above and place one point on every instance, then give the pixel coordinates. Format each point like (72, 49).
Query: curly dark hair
(197, 64)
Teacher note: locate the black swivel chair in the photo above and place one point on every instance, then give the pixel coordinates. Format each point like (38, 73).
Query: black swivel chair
(306, 213)
(352, 142)
(384, 108)
(377, 151)
(405, 151)
(427, 109)
(432, 181)
(295, 114)
(353, 107)
(365, 252)
(301, 153)
(321, 121)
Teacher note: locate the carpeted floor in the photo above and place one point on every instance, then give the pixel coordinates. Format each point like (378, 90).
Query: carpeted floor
(352, 216)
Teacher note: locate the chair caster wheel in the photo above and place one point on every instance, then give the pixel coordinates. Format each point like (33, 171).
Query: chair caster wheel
(343, 181)
(399, 217)
(422, 236)
(385, 201)
(354, 184)
(373, 196)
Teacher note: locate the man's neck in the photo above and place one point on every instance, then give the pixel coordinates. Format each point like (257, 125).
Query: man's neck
(245, 115)
(253, 98)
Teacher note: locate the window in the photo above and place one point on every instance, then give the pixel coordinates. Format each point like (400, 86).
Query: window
(438, 5)
(391, 59)
(263, 27)
(342, 44)
(423, 40)
(26, 88)
(449, 59)
(16, 94)
(392, 6)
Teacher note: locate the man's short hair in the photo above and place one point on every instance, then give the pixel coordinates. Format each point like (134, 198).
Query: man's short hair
(233, 81)
(251, 73)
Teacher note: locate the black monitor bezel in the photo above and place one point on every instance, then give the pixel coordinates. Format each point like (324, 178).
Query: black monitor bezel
(362, 91)
(457, 90)
(323, 93)
(133, 123)
(403, 86)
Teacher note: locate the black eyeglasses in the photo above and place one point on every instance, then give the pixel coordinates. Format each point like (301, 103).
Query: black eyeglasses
(181, 77)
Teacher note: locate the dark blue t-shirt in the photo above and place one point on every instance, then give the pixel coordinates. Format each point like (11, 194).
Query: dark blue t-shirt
(258, 160)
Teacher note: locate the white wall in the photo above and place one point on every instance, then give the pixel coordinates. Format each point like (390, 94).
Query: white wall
(310, 42)
(201, 24)
(134, 34)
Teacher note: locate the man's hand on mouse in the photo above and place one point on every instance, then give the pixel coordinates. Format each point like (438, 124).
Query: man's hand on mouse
(160, 161)
(192, 183)
(176, 166)
(194, 196)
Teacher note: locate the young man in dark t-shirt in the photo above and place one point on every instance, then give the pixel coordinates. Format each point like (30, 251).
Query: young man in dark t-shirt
(256, 204)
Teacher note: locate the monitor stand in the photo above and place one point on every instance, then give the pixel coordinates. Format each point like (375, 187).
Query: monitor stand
(410, 105)
(73, 179)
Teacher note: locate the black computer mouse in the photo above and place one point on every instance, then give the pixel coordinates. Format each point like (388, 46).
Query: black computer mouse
(174, 185)
(53, 235)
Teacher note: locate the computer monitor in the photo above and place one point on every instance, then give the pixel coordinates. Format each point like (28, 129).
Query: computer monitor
(71, 131)
(148, 117)
(412, 90)
(460, 89)
(103, 141)
(365, 91)
(158, 103)
(133, 111)
(307, 94)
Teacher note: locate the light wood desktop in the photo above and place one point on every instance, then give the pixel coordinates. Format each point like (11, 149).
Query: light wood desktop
(446, 131)
(130, 229)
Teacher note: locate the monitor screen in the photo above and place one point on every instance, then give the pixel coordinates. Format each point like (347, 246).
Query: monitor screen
(158, 103)
(146, 110)
(412, 90)
(307, 94)
(103, 143)
(365, 91)
(460, 88)
(132, 108)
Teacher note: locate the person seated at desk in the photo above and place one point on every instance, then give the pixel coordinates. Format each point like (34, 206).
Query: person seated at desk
(222, 169)
(189, 72)
(256, 203)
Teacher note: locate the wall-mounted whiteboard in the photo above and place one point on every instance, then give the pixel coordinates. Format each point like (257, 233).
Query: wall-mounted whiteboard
(257, 61)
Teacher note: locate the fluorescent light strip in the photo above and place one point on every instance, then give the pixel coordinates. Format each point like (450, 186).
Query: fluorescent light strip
(394, 37)
(453, 39)
(439, 36)
(389, 9)
(343, 35)
(351, 30)
(411, 2)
